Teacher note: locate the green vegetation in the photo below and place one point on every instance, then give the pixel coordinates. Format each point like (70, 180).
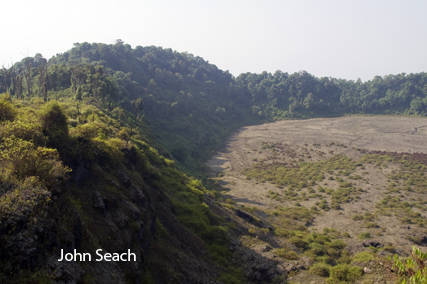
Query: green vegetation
(190, 104)
(287, 254)
(413, 270)
(99, 122)
(300, 175)
(345, 273)
(41, 148)
(320, 269)
(363, 257)
(363, 236)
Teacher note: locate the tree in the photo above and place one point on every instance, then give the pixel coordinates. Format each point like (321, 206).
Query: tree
(5, 78)
(77, 77)
(42, 70)
(417, 104)
(94, 76)
(54, 125)
(79, 94)
(27, 74)
(17, 83)
(138, 105)
(309, 102)
(112, 90)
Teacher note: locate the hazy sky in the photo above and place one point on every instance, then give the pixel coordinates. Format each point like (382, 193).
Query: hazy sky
(347, 39)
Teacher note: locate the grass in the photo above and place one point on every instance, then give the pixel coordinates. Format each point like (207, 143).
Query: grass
(365, 235)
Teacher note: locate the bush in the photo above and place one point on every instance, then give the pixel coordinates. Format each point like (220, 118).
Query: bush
(87, 131)
(30, 131)
(345, 273)
(363, 257)
(320, 269)
(363, 236)
(345, 258)
(54, 124)
(357, 217)
(251, 231)
(338, 244)
(317, 249)
(281, 232)
(7, 112)
(20, 159)
(287, 254)
(299, 242)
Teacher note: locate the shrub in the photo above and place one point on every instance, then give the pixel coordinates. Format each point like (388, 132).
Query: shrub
(87, 131)
(371, 225)
(338, 244)
(54, 124)
(357, 217)
(287, 254)
(345, 273)
(25, 130)
(317, 249)
(299, 242)
(363, 257)
(281, 232)
(345, 258)
(7, 112)
(363, 236)
(320, 269)
(346, 235)
(335, 206)
(21, 159)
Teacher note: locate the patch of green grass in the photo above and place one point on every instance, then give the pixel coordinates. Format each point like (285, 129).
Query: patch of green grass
(300, 175)
(363, 257)
(363, 236)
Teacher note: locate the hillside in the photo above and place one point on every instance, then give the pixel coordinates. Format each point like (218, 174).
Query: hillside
(89, 187)
(103, 147)
(190, 104)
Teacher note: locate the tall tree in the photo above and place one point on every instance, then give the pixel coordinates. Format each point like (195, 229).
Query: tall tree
(42, 70)
(77, 77)
(112, 90)
(17, 82)
(27, 74)
(5, 78)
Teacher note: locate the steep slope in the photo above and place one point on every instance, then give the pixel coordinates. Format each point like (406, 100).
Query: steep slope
(86, 188)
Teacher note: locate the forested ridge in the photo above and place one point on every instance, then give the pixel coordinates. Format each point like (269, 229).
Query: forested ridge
(191, 104)
(99, 147)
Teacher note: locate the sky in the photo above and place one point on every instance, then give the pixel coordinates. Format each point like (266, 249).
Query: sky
(347, 39)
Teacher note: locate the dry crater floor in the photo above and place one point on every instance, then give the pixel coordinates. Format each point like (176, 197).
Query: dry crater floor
(292, 142)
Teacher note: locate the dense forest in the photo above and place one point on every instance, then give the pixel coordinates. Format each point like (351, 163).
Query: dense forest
(101, 147)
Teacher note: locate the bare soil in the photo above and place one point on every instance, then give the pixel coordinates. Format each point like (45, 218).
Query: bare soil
(319, 139)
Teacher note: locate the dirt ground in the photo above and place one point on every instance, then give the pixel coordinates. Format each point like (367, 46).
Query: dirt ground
(319, 139)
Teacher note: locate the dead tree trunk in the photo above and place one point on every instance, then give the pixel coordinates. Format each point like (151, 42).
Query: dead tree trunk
(43, 81)
(27, 73)
(6, 75)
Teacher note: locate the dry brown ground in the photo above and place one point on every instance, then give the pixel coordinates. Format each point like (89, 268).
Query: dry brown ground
(383, 133)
